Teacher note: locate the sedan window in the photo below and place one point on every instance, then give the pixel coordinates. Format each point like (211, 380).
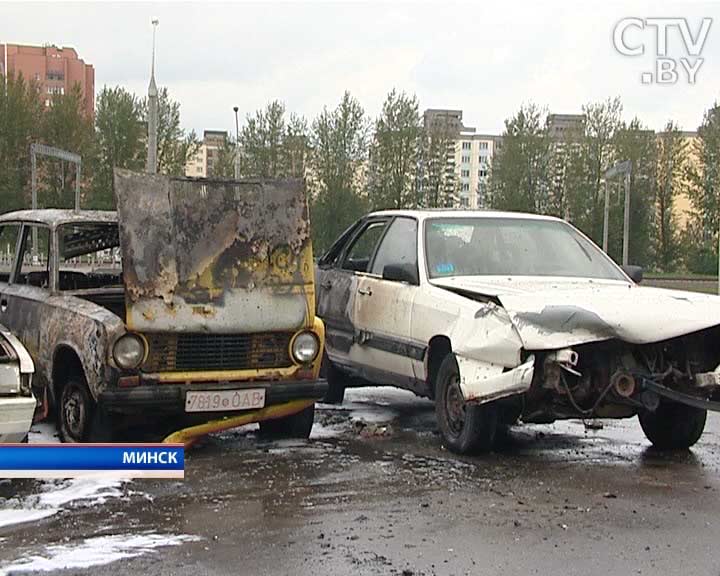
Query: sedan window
(399, 247)
(35, 257)
(8, 244)
(363, 247)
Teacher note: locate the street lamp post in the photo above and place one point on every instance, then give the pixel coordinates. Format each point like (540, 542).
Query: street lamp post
(626, 169)
(152, 112)
(237, 144)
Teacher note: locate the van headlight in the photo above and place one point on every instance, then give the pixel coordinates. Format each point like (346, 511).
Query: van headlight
(305, 347)
(129, 351)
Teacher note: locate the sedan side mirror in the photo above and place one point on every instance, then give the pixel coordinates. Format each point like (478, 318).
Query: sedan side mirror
(401, 273)
(635, 273)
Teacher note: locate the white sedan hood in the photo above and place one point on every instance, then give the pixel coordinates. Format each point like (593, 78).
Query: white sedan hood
(552, 313)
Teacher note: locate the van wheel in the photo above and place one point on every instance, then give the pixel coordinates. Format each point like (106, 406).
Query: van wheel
(296, 425)
(336, 380)
(465, 428)
(673, 426)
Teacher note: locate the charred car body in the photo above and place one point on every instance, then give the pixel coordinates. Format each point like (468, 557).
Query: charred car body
(17, 405)
(194, 301)
(501, 316)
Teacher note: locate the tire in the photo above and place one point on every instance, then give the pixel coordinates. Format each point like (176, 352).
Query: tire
(465, 428)
(336, 379)
(78, 417)
(295, 426)
(673, 426)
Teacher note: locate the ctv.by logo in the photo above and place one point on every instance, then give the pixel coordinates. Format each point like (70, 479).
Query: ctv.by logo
(668, 67)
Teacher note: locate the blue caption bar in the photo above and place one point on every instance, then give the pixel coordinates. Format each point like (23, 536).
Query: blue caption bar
(152, 458)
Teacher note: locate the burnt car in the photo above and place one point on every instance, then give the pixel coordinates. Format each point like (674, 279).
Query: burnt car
(17, 405)
(506, 316)
(194, 302)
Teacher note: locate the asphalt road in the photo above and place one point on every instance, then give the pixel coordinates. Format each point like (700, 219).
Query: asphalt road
(374, 492)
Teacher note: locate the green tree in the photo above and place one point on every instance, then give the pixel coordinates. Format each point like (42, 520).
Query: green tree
(338, 141)
(394, 153)
(261, 142)
(587, 162)
(65, 125)
(519, 174)
(224, 165)
(701, 239)
(271, 147)
(120, 137)
(672, 156)
(175, 146)
(20, 117)
(437, 179)
(295, 148)
(637, 144)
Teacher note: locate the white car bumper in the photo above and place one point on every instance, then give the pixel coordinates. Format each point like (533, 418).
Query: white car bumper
(16, 415)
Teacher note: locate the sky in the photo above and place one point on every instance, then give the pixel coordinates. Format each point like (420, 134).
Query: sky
(484, 58)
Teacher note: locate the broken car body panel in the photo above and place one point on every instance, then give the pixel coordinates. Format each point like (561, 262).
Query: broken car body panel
(553, 313)
(215, 256)
(17, 404)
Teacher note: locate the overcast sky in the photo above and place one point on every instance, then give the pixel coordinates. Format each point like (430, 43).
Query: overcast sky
(486, 58)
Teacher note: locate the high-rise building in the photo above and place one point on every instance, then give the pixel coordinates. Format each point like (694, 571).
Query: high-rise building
(54, 70)
(202, 164)
(469, 155)
(473, 158)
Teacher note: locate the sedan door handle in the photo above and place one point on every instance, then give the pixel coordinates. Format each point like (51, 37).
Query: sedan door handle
(3, 305)
(366, 292)
(326, 285)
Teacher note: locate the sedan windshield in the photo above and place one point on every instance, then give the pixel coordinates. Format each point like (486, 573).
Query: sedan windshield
(512, 247)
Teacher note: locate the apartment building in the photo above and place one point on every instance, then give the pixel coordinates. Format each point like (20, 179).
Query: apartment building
(202, 164)
(54, 70)
(473, 158)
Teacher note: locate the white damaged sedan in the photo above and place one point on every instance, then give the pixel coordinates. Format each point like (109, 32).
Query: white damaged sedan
(17, 405)
(507, 316)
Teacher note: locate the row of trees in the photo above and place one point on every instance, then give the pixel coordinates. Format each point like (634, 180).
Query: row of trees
(353, 163)
(540, 171)
(117, 137)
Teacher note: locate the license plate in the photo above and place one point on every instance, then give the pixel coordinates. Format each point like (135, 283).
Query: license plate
(224, 400)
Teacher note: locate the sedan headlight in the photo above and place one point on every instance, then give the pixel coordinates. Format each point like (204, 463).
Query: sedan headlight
(129, 351)
(305, 347)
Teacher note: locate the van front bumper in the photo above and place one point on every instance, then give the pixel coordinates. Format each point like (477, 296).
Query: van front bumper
(171, 397)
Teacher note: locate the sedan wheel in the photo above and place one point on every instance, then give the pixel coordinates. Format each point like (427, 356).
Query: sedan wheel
(75, 412)
(673, 426)
(465, 428)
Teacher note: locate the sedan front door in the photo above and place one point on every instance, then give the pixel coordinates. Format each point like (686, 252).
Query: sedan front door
(383, 308)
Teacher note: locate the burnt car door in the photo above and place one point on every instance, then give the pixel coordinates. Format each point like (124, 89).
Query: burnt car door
(383, 308)
(338, 275)
(24, 301)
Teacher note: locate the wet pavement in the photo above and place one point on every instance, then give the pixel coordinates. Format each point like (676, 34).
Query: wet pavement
(374, 492)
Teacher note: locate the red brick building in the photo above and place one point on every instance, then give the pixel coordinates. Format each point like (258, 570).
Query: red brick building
(55, 70)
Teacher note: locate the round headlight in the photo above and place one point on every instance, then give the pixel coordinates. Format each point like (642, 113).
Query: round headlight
(305, 347)
(129, 351)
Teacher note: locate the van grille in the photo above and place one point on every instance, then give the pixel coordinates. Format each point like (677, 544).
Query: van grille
(204, 352)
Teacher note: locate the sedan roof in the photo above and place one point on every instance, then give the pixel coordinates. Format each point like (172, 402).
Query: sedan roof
(56, 217)
(451, 213)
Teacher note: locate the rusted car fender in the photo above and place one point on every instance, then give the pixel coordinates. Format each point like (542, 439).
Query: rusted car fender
(88, 331)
